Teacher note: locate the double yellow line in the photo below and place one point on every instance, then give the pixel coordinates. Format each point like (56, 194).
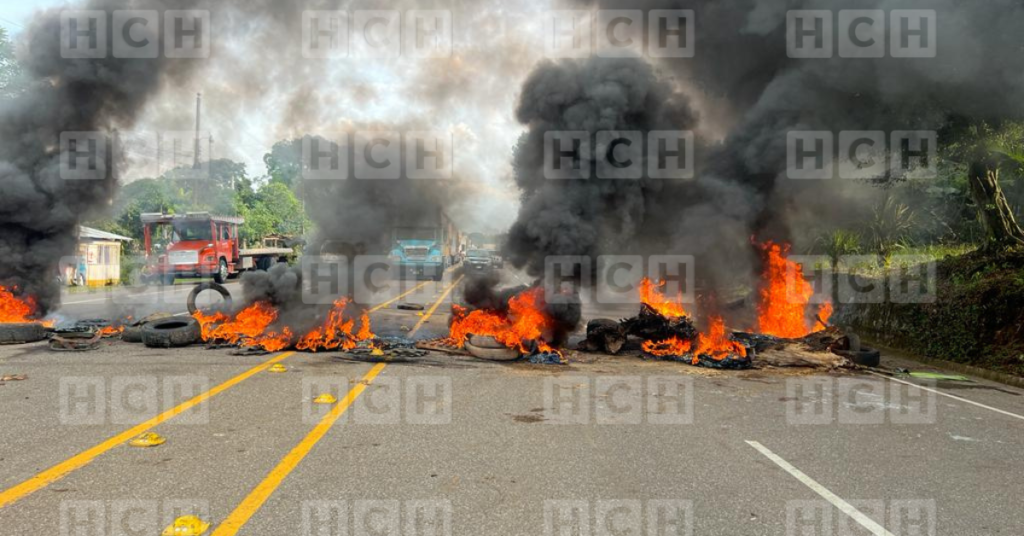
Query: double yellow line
(259, 495)
(62, 469)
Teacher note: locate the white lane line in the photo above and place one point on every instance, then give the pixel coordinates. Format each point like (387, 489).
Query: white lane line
(836, 501)
(954, 397)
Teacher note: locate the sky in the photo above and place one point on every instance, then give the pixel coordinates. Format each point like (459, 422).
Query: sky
(258, 89)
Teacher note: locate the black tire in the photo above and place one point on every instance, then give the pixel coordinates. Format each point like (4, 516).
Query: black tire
(221, 276)
(202, 287)
(21, 333)
(865, 357)
(171, 333)
(485, 341)
(492, 354)
(133, 332)
(264, 263)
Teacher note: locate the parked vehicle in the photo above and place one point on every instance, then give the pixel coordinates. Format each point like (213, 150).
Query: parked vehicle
(496, 259)
(197, 244)
(479, 260)
(424, 247)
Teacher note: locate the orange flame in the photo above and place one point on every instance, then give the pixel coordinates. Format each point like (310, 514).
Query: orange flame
(785, 296)
(650, 294)
(14, 309)
(111, 331)
(524, 322)
(668, 347)
(714, 344)
(336, 331)
(249, 327)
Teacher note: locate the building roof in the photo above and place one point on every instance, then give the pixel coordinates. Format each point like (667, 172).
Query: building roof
(96, 234)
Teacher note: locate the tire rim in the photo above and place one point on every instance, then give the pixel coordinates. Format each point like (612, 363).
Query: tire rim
(223, 270)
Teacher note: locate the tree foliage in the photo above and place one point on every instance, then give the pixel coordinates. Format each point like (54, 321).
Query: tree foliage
(12, 78)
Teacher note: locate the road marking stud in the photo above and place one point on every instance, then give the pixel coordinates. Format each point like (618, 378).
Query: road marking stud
(326, 398)
(148, 439)
(277, 367)
(186, 526)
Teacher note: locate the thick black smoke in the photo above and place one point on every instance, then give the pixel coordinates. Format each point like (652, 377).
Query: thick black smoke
(741, 64)
(39, 210)
(743, 83)
(588, 217)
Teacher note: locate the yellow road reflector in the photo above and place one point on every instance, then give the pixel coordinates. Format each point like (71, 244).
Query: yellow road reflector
(326, 398)
(419, 313)
(148, 439)
(277, 367)
(376, 351)
(186, 526)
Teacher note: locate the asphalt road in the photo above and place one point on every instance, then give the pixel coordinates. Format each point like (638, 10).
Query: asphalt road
(448, 445)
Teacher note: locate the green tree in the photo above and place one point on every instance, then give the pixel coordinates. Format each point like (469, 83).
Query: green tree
(284, 162)
(985, 150)
(12, 79)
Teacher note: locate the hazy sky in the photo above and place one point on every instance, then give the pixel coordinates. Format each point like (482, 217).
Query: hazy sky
(258, 89)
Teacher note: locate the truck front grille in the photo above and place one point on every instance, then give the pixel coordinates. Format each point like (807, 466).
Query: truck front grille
(183, 257)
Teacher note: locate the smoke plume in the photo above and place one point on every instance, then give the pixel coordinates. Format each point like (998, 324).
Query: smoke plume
(40, 210)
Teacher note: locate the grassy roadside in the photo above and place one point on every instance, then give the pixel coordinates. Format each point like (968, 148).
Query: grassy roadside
(977, 318)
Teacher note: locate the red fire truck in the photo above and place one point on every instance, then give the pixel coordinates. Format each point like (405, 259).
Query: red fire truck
(197, 244)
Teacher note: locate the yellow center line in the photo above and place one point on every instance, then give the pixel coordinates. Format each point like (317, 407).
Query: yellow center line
(259, 495)
(400, 296)
(434, 307)
(83, 458)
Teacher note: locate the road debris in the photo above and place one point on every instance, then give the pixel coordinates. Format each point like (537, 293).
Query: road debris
(326, 398)
(410, 307)
(186, 526)
(277, 368)
(76, 340)
(13, 378)
(148, 439)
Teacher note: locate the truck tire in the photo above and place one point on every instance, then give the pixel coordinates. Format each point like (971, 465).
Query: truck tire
(264, 263)
(202, 287)
(171, 333)
(21, 333)
(221, 276)
(133, 332)
(492, 354)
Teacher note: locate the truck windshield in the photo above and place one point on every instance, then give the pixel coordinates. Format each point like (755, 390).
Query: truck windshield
(198, 230)
(414, 234)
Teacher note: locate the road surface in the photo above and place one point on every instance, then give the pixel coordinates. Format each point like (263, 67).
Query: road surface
(448, 445)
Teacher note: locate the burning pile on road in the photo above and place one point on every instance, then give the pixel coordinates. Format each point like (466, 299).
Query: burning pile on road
(15, 309)
(525, 325)
(783, 312)
(668, 333)
(256, 326)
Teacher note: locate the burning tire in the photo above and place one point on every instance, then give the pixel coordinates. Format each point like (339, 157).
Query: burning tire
(21, 333)
(171, 333)
(492, 354)
(486, 342)
(202, 287)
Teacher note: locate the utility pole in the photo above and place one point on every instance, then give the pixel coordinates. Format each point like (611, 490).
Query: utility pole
(196, 152)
